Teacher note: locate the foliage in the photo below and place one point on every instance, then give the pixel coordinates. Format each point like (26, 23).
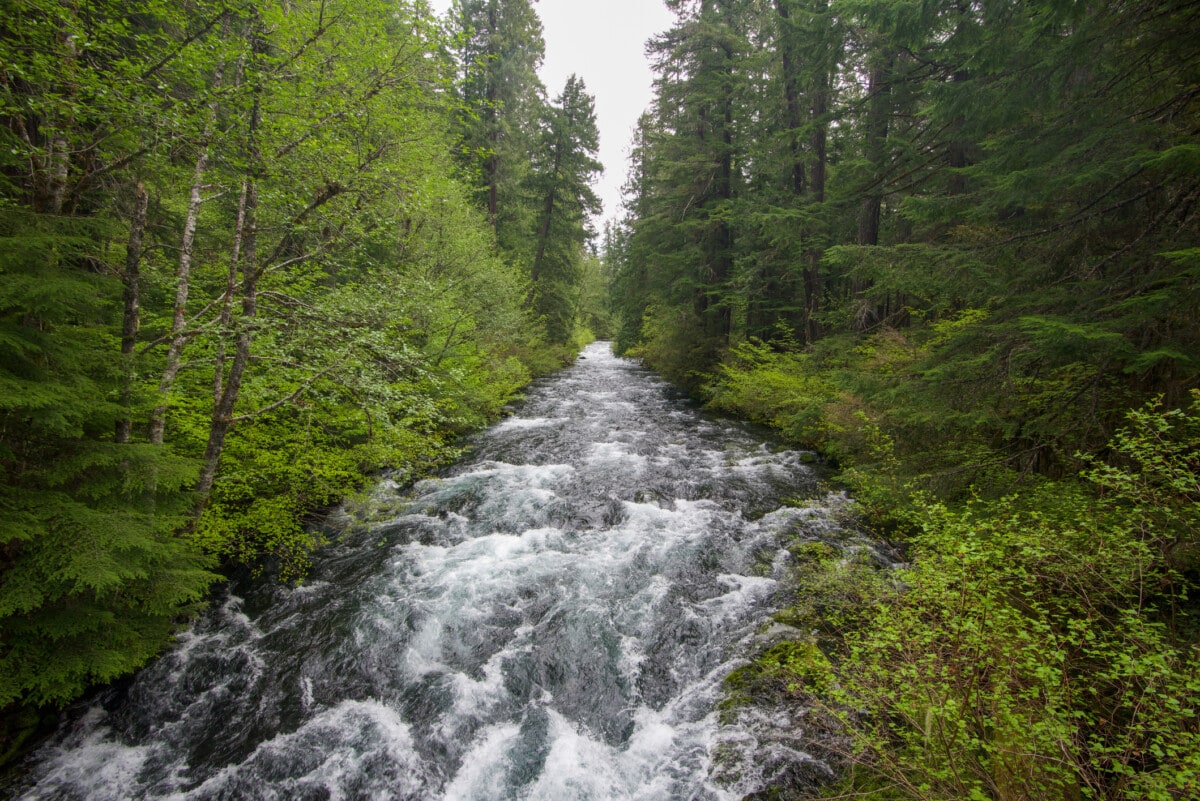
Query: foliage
(531, 162)
(1037, 645)
(238, 276)
(775, 389)
(988, 183)
(1033, 652)
(560, 182)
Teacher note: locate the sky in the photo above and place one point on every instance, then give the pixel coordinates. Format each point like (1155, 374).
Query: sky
(603, 42)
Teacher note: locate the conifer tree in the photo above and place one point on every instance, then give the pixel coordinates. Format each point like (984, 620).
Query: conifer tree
(560, 179)
(501, 51)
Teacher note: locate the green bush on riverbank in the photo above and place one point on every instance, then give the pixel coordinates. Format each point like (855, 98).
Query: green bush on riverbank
(1042, 641)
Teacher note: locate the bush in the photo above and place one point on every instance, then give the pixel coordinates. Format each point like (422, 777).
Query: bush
(775, 388)
(1039, 646)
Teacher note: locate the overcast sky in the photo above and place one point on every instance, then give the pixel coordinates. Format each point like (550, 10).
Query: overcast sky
(602, 41)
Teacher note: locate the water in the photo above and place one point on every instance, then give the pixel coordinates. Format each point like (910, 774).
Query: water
(551, 620)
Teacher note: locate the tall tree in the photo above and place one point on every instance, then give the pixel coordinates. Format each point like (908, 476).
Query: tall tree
(691, 171)
(564, 167)
(500, 53)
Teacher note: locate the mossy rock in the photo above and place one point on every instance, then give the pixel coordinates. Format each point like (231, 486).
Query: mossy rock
(784, 670)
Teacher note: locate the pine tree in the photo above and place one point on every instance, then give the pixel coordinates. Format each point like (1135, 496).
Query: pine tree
(501, 51)
(560, 179)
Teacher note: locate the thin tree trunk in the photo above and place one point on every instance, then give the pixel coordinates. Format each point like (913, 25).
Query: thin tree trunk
(813, 283)
(814, 288)
(723, 263)
(131, 320)
(60, 164)
(548, 213)
(493, 162)
(222, 418)
(230, 289)
(179, 336)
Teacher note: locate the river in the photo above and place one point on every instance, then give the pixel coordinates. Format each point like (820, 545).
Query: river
(551, 619)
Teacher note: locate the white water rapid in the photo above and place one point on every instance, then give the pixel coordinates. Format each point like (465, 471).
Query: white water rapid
(550, 620)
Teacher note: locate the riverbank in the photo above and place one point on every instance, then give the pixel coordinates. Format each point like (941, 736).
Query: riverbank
(1041, 640)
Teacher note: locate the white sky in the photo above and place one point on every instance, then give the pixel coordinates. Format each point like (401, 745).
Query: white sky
(602, 41)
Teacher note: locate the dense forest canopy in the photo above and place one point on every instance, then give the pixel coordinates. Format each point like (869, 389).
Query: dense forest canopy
(816, 168)
(250, 254)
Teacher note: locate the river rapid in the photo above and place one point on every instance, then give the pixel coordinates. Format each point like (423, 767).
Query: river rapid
(549, 620)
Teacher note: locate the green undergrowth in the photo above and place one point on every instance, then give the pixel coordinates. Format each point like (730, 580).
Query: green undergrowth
(1040, 640)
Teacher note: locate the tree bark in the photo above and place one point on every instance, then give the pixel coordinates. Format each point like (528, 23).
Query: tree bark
(247, 255)
(493, 163)
(131, 319)
(222, 418)
(230, 288)
(179, 336)
(878, 112)
(547, 216)
(813, 283)
(791, 97)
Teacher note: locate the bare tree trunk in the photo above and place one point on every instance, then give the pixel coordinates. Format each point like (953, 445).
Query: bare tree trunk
(230, 288)
(131, 321)
(179, 336)
(222, 419)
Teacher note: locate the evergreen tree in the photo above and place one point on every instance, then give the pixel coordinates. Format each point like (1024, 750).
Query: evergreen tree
(95, 573)
(500, 53)
(564, 167)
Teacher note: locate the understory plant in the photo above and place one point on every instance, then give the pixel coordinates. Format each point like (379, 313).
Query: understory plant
(1042, 645)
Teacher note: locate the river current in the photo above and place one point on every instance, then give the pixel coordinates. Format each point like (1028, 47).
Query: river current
(549, 620)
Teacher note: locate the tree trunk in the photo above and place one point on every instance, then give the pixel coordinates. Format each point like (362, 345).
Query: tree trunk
(247, 255)
(131, 320)
(230, 288)
(878, 112)
(493, 163)
(547, 216)
(179, 336)
(222, 418)
(813, 283)
(791, 97)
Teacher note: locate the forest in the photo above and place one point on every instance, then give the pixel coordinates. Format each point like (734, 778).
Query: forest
(251, 255)
(952, 245)
(255, 254)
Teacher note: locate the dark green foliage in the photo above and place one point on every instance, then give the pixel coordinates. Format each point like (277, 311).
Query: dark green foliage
(1042, 645)
(500, 50)
(535, 160)
(560, 184)
(95, 577)
(894, 164)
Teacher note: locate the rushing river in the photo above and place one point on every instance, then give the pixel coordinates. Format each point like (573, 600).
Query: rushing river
(550, 620)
